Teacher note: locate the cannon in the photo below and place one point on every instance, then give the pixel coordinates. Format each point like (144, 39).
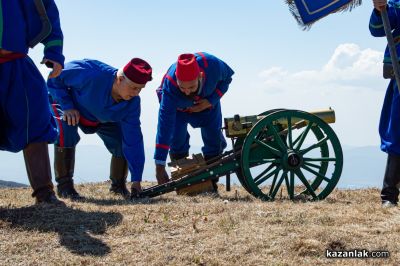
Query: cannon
(287, 151)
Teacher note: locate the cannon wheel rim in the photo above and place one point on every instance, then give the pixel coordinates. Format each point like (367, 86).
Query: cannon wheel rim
(239, 144)
(324, 134)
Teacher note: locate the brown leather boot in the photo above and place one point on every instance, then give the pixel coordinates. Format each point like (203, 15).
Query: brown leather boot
(118, 175)
(37, 164)
(64, 164)
(178, 156)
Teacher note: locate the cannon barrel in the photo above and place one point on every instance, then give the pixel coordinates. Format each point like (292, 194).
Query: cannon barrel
(328, 115)
(239, 126)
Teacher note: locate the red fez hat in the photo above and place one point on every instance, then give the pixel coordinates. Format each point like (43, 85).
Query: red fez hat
(187, 68)
(138, 71)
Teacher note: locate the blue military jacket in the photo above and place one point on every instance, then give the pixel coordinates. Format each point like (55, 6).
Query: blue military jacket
(24, 23)
(86, 85)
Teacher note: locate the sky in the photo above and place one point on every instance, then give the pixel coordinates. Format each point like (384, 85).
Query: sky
(337, 63)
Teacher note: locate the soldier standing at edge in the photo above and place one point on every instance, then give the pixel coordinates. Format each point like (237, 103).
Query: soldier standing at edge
(389, 125)
(25, 117)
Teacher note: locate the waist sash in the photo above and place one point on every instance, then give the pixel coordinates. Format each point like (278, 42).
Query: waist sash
(6, 57)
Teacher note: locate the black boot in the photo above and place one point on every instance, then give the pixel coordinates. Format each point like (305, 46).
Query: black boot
(64, 164)
(391, 181)
(118, 175)
(36, 156)
(209, 160)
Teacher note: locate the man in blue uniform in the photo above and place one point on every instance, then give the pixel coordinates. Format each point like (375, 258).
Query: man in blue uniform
(389, 125)
(190, 93)
(100, 99)
(25, 117)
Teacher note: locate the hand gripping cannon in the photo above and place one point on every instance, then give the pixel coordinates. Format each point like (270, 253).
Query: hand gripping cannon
(291, 151)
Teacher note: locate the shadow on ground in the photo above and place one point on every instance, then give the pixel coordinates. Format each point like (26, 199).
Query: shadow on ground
(113, 202)
(73, 226)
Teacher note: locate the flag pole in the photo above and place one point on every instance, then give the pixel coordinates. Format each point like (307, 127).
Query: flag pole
(392, 46)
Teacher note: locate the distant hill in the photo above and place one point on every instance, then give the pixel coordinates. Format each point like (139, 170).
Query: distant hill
(92, 164)
(363, 166)
(9, 184)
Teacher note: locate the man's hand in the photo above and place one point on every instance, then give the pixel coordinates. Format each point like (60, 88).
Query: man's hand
(379, 4)
(199, 106)
(57, 68)
(71, 116)
(161, 174)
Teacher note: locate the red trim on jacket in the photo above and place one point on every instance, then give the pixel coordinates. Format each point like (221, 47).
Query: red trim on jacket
(162, 146)
(203, 57)
(220, 94)
(172, 80)
(87, 123)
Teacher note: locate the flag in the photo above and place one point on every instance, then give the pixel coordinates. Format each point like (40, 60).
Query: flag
(306, 12)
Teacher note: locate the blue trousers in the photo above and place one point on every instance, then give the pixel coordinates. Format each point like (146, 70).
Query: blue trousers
(68, 136)
(209, 122)
(389, 124)
(25, 115)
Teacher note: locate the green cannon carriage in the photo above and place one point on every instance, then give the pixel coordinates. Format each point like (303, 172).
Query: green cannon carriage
(290, 151)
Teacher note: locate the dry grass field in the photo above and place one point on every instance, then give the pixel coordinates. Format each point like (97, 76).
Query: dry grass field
(230, 229)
